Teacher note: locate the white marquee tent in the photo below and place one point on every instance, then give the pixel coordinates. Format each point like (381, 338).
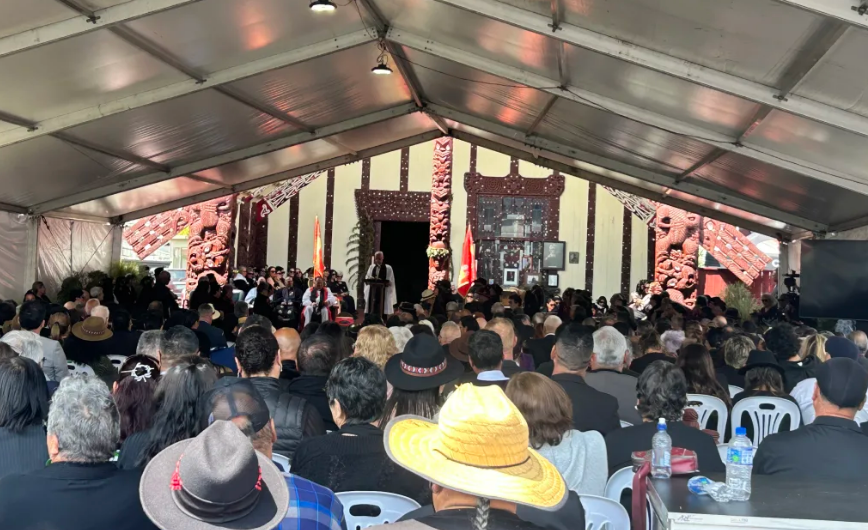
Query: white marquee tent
(751, 111)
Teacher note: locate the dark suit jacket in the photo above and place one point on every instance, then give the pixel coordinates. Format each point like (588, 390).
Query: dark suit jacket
(829, 448)
(312, 388)
(620, 385)
(123, 343)
(645, 361)
(592, 409)
(621, 444)
(73, 497)
(510, 368)
(22, 452)
(540, 349)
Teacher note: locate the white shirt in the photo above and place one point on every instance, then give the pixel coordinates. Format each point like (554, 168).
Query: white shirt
(803, 393)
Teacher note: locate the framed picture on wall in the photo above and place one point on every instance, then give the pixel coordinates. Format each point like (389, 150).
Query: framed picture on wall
(574, 257)
(510, 277)
(552, 280)
(554, 255)
(532, 279)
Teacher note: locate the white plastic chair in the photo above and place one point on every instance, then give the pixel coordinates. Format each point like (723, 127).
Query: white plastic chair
(722, 449)
(704, 407)
(625, 424)
(733, 390)
(75, 368)
(623, 480)
(282, 460)
(766, 414)
(604, 514)
(117, 360)
(392, 507)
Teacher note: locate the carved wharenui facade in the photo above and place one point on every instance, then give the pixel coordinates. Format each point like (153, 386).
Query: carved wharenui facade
(441, 212)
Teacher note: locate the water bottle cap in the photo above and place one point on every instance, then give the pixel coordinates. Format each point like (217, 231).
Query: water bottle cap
(661, 424)
(740, 431)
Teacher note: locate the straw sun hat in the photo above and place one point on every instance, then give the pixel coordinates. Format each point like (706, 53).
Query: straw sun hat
(480, 447)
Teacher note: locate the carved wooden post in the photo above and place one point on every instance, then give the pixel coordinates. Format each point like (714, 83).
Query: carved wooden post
(209, 247)
(675, 254)
(441, 210)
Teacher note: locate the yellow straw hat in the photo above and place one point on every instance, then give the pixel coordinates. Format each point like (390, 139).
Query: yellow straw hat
(480, 447)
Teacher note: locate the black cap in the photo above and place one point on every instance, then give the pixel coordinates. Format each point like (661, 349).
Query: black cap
(841, 347)
(233, 397)
(843, 382)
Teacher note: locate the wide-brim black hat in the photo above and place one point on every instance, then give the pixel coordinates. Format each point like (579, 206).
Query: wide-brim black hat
(422, 365)
(157, 492)
(761, 359)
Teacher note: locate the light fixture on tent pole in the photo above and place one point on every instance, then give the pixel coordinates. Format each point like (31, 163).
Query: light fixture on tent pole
(382, 67)
(322, 6)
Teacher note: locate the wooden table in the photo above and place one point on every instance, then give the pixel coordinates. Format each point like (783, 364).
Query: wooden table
(775, 504)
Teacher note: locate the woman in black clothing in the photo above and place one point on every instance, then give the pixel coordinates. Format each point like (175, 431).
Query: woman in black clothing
(201, 295)
(695, 362)
(134, 394)
(23, 409)
(262, 302)
(353, 458)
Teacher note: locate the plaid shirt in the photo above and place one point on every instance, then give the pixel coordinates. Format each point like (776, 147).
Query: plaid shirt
(311, 507)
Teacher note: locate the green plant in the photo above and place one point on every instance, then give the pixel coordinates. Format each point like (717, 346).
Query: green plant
(737, 295)
(360, 247)
(124, 268)
(433, 252)
(70, 288)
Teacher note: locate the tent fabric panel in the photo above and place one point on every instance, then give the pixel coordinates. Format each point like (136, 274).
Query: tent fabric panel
(218, 34)
(469, 31)
(841, 77)
(14, 252)
(46, 168)
(329, 89)
(80, 72)
(184, 129)
(67, 247)
(139, 198)
(753, 39)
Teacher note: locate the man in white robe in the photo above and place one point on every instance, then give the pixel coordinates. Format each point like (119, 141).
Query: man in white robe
(379, 270)
(318, 298)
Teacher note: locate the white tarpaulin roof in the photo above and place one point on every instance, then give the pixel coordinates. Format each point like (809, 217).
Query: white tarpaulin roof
(753, 111)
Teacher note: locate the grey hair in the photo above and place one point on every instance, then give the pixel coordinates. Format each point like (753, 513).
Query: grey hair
(402, 336)
(95, 292)
(85, 420)
(450, 330)
(101, 311)
(672, 340)
(552, 323)
(497, 308)
(149, 344)
(25, 344)
(609, 347)
(539, 318)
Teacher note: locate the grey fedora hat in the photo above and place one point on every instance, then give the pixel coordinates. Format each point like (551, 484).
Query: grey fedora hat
(215, 480)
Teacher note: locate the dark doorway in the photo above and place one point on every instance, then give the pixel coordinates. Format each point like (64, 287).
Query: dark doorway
(404, 245)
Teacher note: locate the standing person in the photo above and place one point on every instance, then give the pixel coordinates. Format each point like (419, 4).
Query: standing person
(609, 373)
(592, 409)
(832, 447)
(85, 489)
(163, 294)
(32, 319)
(380, 271)
(294, 418)
(207, 316)
(23, 410)
(38, 289)
(201, 295)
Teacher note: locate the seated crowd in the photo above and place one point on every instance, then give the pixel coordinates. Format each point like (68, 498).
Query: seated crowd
(486, 416)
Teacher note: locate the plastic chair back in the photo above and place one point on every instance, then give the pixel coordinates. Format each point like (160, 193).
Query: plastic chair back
(766, 414)
(604, 514)
(722, 449)
(704, 407)
(733, 390)
(619, 481)
(76, 368)
(281, 460)
(625, 424)
(117, 361)
(391, 506)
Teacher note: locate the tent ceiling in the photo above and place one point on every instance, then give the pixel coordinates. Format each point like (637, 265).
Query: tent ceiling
(750, 110)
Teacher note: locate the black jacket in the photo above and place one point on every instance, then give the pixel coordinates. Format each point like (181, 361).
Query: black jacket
(73, 497)
(294, 418)
(645, 361)
(510, 368)
(796, 372)
(592, 409)
(312, 389)
(621, 444)
(731, 375)
(540, 349)
(830, 448)
(123, 343)
(22, 452)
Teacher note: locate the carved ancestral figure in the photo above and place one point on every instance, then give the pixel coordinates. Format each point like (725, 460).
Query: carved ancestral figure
(675, 253)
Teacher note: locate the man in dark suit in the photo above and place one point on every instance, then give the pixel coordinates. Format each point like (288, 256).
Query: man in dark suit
(124, 340)
(833, 446)
(82, 436)
(541, 349)
(592, 409)
(486, 360)
(609, 374)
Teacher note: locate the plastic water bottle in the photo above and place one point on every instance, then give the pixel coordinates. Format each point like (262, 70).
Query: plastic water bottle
(739, 464)
(661, 452)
